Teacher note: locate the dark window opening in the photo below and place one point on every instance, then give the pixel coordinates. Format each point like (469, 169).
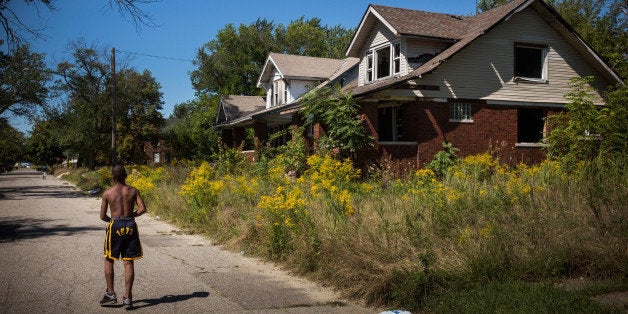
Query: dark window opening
(383, 62)
(530, 125)
(279, 135)
(529, 61)
(390, 124)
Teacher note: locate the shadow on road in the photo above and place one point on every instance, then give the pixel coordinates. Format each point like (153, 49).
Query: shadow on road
(138, 304)
(39, 191)
(17, 229)
(21, 173)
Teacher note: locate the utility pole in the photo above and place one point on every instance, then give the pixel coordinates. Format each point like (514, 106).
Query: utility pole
(113, 107)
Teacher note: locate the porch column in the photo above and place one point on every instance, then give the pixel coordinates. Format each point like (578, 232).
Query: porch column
(227, 137)
(260, 132)
(239, 135)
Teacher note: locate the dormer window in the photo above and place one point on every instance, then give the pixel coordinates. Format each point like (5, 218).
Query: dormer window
(279, 93)
(275, 93)
(383, 61)
(396, 58)
(369, 67)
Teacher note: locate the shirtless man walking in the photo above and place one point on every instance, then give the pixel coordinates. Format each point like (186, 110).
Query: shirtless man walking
(122, 237)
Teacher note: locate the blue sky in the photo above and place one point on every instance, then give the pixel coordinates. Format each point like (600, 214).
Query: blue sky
(184, 26)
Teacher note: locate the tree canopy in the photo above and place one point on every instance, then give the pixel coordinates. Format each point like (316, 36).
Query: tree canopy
(11, 143)
(85, 117)
(189, 131)
(23, 77)
(232, 62)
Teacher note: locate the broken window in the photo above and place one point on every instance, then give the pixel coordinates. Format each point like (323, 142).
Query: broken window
(530, 62)
(390, 124)
(530, 125)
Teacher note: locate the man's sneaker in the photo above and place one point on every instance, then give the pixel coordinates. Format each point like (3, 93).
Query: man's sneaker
(109, 299)
(128, 302)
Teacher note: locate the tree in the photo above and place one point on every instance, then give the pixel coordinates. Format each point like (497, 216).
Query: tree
(86, 115)
(232, 62)
(602, 24)
(14, 26)
(139, 120)
(585, 132)
(190, 133)
(11, 143)
(338, 113)
(303, 37)
(485, 5)
(87, 112)
(23, 78)
(43, 145)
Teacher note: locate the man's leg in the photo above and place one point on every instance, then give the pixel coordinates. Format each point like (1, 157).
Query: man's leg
(109, 274)
(129, 276)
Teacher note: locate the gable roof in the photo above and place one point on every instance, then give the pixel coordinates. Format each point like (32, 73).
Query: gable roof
(233, 108)
(408, 22)
(471, 29)
(298, 67)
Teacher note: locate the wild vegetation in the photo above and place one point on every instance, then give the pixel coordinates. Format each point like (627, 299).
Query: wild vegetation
(407, 241)
(413, 237)
(445, 238)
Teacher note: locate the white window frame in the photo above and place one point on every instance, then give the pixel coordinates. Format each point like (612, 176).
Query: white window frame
(461, 112)
(371, 74)
(275, 99)
(396, 58)
(544, 63)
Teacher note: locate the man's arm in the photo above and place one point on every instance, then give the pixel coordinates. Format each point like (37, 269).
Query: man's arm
(103, 208)
(141, 207)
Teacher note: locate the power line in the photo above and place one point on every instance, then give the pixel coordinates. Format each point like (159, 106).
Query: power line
(154, 56)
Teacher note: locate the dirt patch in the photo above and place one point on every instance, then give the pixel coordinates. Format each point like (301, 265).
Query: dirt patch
(617, 300)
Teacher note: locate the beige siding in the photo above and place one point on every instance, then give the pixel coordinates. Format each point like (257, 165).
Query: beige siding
(381, 35)
(416, 47)
(484, 70)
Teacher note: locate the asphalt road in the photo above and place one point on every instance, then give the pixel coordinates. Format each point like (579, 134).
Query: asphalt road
(51, 261)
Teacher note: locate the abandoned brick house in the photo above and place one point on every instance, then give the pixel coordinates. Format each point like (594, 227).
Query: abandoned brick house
(422, 78)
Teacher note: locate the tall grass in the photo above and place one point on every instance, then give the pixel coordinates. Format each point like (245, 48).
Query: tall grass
(400, 242)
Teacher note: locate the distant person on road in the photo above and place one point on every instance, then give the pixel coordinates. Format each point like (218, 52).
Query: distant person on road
(122, 237)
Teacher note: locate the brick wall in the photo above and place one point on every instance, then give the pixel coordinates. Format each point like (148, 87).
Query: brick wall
(426, 125)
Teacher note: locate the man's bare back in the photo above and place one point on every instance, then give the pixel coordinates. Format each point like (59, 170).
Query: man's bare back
(121, 199)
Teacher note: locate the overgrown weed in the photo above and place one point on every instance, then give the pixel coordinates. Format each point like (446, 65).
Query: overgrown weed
(415, 238)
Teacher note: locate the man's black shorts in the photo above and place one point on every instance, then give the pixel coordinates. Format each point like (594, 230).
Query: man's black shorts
(123, 239)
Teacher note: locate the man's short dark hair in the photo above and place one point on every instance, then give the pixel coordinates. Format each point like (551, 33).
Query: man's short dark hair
(118, 173)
